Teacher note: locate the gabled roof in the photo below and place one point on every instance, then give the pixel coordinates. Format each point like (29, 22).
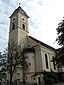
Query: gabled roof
(19, 9)
(43, 44)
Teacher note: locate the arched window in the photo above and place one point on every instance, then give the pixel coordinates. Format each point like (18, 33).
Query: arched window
(46, 59)
(39, 80)
(13, 26)
(53, 62)
(23, 26)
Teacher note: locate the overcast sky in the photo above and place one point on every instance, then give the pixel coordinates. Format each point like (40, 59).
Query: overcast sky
(44, 18)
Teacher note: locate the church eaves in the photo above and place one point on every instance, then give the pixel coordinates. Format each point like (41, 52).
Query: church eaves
(43, 44)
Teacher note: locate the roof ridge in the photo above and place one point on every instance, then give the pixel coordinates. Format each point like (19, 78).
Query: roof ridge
(42, 43)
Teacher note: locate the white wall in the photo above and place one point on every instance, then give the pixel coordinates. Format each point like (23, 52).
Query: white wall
(50, 53)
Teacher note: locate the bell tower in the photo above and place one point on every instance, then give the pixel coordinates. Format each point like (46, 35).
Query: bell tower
(18, 26)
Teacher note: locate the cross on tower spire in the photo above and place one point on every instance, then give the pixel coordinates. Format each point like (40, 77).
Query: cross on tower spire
(19, 4)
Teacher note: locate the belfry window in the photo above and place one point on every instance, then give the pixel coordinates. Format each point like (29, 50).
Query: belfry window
(13, 26)
(46, 59)
(23, 26)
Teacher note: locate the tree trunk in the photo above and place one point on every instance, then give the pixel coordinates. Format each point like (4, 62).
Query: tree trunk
(23, 76)
(23, 69)
(10, 79)
(11, 74)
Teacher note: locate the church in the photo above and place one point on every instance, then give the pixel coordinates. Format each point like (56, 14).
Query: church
(39, 54)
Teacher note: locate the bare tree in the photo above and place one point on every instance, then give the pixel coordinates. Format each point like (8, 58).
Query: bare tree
(15, 57)
(2, 66)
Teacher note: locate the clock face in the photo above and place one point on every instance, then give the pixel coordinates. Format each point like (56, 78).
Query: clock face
(13, 19)
(23, 19)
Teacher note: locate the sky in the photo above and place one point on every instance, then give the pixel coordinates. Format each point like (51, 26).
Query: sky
(44, 18)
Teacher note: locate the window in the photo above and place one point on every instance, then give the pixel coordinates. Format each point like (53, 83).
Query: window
(46, 59)
(13, 26)
(34, 78)
(29, 64)
(39, 80)
(53, 62)
(23, 26)
(18, 74)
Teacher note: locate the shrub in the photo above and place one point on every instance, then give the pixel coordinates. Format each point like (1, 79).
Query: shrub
(50, 78)
(49, 81)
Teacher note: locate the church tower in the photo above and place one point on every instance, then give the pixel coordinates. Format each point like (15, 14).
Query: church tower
(18, 26)
(38, 54)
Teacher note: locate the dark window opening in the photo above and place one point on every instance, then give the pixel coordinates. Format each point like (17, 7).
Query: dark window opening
(54, 63)
(39, 80)
(23, 26)
(18, 74)
(29, 64)
(34, 78)
(46, 60)
(13, 27)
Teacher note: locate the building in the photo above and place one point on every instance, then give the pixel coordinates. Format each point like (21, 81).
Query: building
(39, 58)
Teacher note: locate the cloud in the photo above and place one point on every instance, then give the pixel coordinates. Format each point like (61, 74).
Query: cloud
(3, 37)
(11, 3)
(4, 24)
(44, 18)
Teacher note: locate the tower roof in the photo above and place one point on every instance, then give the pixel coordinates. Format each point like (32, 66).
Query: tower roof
(19, 9)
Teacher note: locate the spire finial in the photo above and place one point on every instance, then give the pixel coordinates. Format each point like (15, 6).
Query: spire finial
(19, 4)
